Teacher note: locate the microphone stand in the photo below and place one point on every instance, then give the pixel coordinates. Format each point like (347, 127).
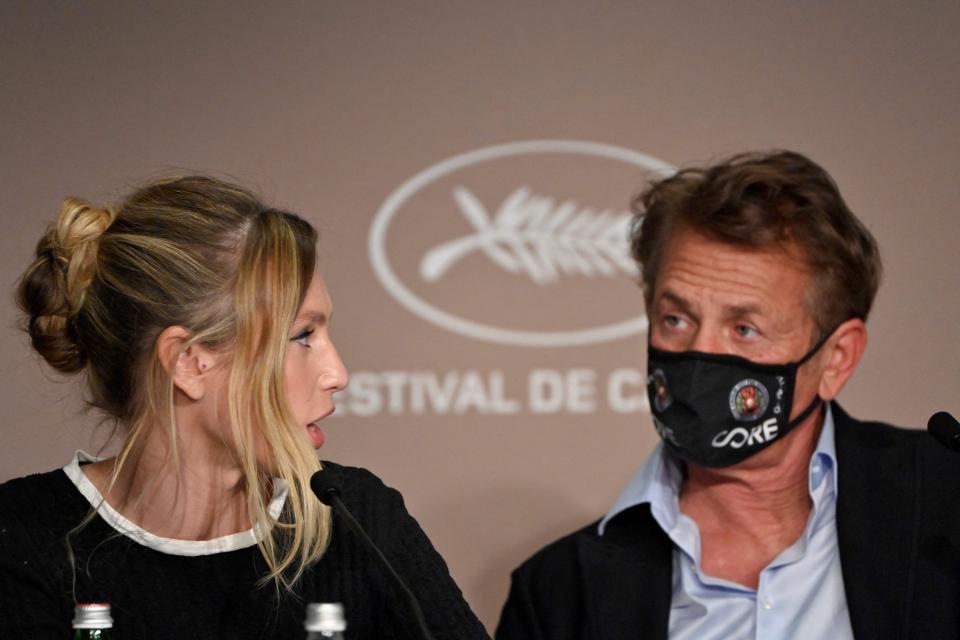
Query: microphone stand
(329, 494)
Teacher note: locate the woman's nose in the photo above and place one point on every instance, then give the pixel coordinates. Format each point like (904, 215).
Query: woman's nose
(337, 377)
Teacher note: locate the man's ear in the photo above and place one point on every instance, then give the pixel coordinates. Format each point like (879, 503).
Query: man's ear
(844, 350)
(187, 366)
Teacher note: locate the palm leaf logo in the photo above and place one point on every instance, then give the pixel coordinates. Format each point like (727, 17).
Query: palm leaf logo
(534, 235)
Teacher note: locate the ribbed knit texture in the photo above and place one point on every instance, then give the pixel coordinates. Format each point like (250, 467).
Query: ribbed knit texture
(157, 595)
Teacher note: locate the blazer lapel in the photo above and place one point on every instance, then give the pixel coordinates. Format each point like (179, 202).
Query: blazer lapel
(876, 521)
(627, 578)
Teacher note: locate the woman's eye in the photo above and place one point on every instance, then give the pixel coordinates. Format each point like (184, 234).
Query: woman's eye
(303, 337)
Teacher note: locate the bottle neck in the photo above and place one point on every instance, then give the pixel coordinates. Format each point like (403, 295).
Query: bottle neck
(92, 634)
(325, 635)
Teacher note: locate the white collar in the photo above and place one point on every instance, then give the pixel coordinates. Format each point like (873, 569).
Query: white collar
(171, 546)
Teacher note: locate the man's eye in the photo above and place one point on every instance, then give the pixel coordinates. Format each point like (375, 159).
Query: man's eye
(673, 321)
(303, 337)
(746, 331)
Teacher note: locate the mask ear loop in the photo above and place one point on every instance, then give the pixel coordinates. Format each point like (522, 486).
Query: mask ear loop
(806, 412)
(813, 350)
(816, 399)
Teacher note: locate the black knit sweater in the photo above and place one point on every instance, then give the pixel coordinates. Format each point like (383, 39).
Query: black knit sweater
(159, 595)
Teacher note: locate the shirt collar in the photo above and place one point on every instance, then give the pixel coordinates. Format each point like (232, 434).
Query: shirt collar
(825, 453)
(657, 481)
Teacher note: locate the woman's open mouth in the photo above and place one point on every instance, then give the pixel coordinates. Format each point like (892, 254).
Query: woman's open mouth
(316, 435)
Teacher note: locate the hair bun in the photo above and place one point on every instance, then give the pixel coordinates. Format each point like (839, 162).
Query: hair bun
(53, 288)
(78, 233)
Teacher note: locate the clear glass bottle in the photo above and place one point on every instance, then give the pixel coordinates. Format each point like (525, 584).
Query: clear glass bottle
(92, 621)
(325, 621)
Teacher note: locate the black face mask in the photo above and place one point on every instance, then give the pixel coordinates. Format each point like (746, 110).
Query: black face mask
(717, 410)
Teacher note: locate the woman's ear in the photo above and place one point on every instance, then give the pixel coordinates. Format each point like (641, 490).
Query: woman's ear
(188, 366)
(845, 348)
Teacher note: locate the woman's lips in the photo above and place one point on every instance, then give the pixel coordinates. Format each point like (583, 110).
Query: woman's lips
(316, 435)
(314, 430)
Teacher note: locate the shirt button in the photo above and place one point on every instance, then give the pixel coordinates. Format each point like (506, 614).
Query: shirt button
(767, 603)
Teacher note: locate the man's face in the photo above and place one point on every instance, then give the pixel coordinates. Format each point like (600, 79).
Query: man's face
(717, 298)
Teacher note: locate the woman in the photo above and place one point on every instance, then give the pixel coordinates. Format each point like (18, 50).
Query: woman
(201, 327)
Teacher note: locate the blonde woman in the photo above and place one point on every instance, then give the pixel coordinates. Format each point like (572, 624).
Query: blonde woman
(201, 327)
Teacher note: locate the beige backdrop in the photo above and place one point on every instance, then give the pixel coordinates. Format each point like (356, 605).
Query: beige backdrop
(330, 108)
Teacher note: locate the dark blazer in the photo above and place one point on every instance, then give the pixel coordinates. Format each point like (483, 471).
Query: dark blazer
(898, 530)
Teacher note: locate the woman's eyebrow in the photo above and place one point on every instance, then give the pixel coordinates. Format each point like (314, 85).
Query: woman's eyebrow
(317, 317)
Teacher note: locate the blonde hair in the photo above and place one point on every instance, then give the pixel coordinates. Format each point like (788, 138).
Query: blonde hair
(206, 255)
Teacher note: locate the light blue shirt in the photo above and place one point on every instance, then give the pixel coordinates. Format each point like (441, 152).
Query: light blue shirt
(800, 593)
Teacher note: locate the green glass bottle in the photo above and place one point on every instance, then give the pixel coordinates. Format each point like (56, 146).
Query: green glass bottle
(92, 621)
(325, 621)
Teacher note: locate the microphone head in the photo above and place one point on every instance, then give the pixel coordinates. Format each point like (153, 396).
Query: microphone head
(945, 428)
(326, 486)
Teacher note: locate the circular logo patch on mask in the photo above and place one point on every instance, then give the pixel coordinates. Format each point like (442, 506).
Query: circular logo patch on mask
(749, 400)
(661, 392)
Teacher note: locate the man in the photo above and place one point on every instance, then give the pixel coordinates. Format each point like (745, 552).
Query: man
(767, 511)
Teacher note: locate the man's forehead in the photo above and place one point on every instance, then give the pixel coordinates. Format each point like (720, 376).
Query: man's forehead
(691, 245)
(684, 240)
(732, 304)
(697, 269)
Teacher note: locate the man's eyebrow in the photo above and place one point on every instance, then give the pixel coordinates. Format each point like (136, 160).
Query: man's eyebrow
(740, 310)
(731, 311)
(673, 298)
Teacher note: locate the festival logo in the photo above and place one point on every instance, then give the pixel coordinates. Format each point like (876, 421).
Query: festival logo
(523, 244)
(749, 400)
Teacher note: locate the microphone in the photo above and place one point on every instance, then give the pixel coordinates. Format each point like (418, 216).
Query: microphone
(945, 428)
(326, 486)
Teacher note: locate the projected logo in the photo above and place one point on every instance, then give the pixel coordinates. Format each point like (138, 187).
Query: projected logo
(524, 244)
(533, 235)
